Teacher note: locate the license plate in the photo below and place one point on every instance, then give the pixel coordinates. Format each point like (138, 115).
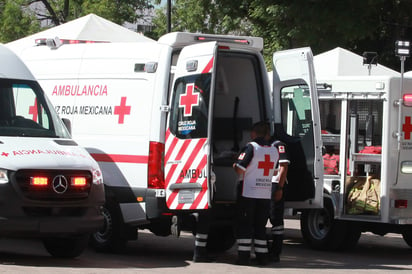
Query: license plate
(186, 196)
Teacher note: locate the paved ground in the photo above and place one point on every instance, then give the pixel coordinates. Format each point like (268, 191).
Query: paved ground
(151, 254)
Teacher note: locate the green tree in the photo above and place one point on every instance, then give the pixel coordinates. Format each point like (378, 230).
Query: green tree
(19, 18)
(14, 22)
(370, 25)
(367, 25)
(203, 16)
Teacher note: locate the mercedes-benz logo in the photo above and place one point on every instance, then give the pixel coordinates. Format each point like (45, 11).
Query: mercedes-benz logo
(60, 184)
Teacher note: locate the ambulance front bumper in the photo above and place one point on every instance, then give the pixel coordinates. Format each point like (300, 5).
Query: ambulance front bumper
(51, 226)
(24, 217)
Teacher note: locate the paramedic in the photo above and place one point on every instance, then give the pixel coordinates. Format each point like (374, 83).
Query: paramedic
(255, 165)
(277, 204)
(277, 199)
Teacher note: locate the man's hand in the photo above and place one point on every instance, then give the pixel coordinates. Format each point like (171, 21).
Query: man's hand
(278, 194)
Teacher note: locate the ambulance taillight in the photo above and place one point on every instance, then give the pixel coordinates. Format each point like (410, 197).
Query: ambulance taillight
(155, 166)
(233, 40)
(407, 100)
(78, 181)
(39, 181)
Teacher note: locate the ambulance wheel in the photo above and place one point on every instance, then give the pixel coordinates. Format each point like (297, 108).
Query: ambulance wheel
(110, 238)
(66, 247)
(407, 237)
(320, 230)
(221, 238)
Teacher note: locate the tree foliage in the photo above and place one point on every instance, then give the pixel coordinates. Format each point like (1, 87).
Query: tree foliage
(203, 16)
(19, 18)
(14, 22)
(367, 25)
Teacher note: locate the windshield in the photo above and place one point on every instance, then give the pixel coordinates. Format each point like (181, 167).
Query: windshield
(24, 111)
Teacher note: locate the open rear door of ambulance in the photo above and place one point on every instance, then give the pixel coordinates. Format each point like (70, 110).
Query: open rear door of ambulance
(187, 145)
(297, 124)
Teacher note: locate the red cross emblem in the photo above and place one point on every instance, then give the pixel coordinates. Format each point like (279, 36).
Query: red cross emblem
(266, 165)
(122, 110)
(189, 99)
(33, 110)
(407, 127)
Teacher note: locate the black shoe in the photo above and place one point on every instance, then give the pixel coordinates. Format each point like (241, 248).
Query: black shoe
(201, 255)
(261, 259)
(243, 258)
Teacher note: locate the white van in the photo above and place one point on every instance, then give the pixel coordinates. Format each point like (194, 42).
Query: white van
(165, 121)
(50, 188)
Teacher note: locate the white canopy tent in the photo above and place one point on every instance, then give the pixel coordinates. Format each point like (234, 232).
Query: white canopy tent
(90, 27)
(342, 62)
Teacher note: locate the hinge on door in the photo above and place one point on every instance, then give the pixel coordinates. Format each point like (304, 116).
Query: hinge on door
(165, 108)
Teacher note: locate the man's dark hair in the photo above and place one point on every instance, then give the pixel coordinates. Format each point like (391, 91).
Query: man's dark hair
(261, 129)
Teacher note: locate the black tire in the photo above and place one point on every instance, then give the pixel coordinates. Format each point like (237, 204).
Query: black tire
(66, 247)
(407, 237)
(111, 237)
(320, 230)
(221, 238)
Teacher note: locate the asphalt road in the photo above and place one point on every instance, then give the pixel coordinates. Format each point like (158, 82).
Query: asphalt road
(151, 254)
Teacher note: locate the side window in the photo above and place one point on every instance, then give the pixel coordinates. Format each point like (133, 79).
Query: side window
(28, 108)
(296, 111)
(190, 106)
(330, 118)
(365, 137)
(297, 121)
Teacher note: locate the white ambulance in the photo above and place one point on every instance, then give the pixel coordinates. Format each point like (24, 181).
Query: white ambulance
(50, 188)
(165, 121)
(366, 133)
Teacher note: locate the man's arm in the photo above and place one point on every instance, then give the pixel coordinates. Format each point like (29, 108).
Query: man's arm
(283, 170)
(243, 159)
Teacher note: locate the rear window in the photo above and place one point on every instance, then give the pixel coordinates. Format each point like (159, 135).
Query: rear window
(190, 106)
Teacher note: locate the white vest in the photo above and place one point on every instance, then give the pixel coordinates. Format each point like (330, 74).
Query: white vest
(257, 181)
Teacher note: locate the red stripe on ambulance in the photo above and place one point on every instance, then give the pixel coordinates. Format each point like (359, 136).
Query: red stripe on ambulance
(120, 158)
(196, 204)
(209, 66)
(170, 150)
(177, 171)
(174, 170)
(200, 195)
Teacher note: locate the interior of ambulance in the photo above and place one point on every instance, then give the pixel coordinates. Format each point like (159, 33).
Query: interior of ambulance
(359, 148)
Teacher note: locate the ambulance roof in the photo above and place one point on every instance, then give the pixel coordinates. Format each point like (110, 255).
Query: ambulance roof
(12, 67)
(181, 39)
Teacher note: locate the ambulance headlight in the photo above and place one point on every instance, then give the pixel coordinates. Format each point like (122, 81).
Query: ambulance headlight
(97, 176)
(4, 179)
(406, 167)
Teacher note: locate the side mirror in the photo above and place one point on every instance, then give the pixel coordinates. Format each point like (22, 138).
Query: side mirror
(68, 124)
